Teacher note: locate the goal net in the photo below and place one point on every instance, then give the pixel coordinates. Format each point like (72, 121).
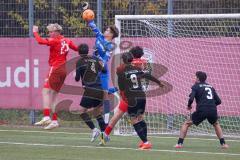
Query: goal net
(185, 44)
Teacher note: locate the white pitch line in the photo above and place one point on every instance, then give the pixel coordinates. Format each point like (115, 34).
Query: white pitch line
(48, 132)
(116, 148)
(202, 139)
(72, 133)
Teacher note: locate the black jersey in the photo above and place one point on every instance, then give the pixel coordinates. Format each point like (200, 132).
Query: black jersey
(205, 96)
(129, 81)
(88, 68)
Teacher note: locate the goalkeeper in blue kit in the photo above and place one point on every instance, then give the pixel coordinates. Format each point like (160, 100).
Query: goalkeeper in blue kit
(103, 51)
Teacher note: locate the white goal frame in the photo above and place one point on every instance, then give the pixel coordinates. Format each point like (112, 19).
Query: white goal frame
(118, 19)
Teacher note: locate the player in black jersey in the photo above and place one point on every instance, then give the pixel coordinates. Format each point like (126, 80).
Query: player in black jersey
(207, 100)
(88, 68)
(129, 82)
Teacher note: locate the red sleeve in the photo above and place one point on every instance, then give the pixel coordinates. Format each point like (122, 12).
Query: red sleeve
(120, 69)
(39, 39)
(73, 46)
(122, 94)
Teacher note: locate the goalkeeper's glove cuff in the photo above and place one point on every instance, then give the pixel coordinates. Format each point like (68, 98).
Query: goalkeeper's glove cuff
(112, 90)
(92, 24)
(84, 5)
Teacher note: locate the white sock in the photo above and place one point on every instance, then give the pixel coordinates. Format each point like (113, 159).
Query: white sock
(106, 118)
(46, 118)
(95, 129)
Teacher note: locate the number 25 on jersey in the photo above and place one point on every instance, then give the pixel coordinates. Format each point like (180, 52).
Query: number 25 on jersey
(64, 47)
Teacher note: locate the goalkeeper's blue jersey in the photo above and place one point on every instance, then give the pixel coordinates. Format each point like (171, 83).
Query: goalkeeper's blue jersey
(103, 47)
(103, 52)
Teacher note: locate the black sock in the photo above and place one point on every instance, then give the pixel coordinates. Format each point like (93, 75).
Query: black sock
(141, 128)
(222, 141)
(101, 122)
(86, 118)
(144, 126)
(180, 141)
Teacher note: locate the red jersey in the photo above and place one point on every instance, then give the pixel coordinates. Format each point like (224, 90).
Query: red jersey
(138, 62)
(59, 48)
(141, 63)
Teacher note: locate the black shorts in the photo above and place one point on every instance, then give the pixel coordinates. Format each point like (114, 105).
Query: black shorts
(92, 97)
(137, 108)
(200, 115)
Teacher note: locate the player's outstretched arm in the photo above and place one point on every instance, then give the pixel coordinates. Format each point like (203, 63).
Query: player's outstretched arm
(91, 23)
(191, 98)
(73, 46)
(216, 98)
(39, 39)
(94, 28)
(152, 78)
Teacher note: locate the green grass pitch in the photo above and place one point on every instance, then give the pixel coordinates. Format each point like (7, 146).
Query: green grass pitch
(28, 143)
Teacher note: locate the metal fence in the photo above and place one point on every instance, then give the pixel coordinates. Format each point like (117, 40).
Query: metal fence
(14, 21)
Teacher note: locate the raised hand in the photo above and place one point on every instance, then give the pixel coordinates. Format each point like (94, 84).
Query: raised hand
(35, 28)
(84, 5)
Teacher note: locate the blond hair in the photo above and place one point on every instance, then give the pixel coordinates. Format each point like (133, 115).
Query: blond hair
(54, 27)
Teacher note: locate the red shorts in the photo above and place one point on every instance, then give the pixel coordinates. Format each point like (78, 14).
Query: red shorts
(55, 78)
(123, 106)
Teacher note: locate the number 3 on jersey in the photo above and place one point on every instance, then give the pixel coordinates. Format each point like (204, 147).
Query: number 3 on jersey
(209, 93)
(64, 47)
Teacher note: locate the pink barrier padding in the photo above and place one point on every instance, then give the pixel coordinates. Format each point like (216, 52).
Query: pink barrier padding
(24, 65)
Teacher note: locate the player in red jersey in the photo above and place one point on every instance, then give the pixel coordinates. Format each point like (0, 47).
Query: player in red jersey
(120, 111)
(138, 61)
(59, 48)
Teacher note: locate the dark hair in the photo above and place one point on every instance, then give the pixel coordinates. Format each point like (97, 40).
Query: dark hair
(137, 51)
(114, 31)
(202, 76)
(83, 49)
(127, 58)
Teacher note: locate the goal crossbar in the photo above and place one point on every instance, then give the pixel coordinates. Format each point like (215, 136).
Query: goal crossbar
(180, 16)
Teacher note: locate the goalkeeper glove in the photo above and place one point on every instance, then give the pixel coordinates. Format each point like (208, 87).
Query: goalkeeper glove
(84, 6)
(112, 90)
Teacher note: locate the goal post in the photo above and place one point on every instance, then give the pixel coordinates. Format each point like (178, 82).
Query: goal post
(185, 44)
